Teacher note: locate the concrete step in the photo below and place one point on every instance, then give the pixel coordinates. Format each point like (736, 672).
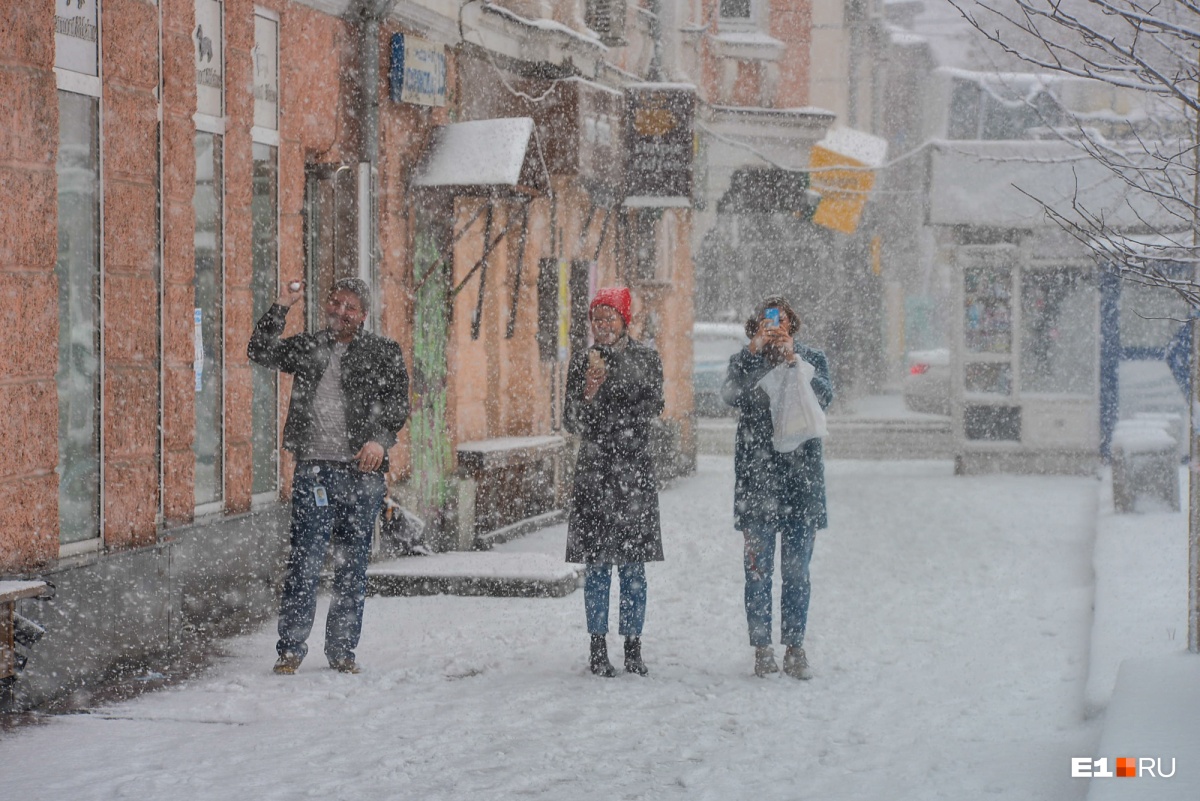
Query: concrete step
(515, 574)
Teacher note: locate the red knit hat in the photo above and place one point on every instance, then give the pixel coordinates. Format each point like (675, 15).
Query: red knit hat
(616, 297)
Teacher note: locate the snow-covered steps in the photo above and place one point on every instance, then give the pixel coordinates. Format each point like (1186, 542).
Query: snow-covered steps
(529, 575)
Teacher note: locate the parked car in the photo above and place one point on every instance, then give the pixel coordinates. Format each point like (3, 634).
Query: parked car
(927, 381)
(712, 345)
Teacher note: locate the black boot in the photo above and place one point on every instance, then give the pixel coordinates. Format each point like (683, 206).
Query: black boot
(633, 656)
(599, 663)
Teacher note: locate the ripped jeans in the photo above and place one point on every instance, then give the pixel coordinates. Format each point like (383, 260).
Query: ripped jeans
(759, 560)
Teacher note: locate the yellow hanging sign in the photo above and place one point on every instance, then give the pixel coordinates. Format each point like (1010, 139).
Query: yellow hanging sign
(843, 192)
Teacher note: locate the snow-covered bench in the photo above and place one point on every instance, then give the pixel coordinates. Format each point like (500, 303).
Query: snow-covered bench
(1145, 460)
(511, 484)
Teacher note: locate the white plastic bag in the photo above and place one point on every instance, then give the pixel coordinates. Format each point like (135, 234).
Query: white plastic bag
(796, 414)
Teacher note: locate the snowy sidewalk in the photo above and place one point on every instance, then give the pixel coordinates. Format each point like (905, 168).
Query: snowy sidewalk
(949, 636)
(1141, 673)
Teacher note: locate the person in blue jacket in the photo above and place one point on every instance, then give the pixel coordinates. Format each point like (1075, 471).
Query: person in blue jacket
(776, 495)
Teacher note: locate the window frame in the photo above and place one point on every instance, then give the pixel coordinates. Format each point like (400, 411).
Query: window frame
(217, 504)
(267, 497)
(270, 137)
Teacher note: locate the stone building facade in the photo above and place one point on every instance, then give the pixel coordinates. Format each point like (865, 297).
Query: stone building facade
(166, 164)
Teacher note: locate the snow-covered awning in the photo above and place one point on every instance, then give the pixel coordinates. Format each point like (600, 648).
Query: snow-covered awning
(496, 156)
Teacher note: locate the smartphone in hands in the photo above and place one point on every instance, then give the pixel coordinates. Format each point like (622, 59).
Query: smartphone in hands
(771, 317)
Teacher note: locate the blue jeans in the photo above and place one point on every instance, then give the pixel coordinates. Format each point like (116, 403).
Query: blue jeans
(794, 557)
(597, 580)
(348, 521)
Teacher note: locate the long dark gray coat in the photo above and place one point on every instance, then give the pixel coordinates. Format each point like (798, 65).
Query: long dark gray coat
(771, 488)
(614, 508)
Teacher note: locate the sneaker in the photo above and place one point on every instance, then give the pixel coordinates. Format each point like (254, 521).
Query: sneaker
(764, 661)
(795, 663)
(287, 664)
(346, 665)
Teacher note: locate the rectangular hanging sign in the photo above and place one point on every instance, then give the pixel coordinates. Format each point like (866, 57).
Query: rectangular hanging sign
(417, 72)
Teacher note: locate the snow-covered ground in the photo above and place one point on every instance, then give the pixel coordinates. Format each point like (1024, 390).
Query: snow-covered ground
(949, 634)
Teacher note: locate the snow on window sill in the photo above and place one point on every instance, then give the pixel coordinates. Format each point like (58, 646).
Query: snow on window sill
(747, 43)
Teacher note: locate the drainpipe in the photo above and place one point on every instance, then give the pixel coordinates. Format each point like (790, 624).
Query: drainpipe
(370, 14)
(655, 71)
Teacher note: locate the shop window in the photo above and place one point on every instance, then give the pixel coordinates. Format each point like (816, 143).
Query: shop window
(264, 211)
(1058, 331)
(208, 285)
(988, 309)
(607, 19)
(547, 306)
(582, 272)
(77, 270)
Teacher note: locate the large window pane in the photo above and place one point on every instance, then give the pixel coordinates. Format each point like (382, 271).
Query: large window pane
(987, 309)
(78, 274)
(209, 355)
(1058, 331)
(264, 206)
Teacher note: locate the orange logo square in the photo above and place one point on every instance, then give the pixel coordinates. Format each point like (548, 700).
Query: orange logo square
(1127, 766)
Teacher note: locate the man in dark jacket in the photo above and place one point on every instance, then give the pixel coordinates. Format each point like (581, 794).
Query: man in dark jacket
(349, 400)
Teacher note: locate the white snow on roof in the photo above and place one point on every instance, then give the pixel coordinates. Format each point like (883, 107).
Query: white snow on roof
(990, 183)
(479, 153)
(543, 24)
(865, 148)
(663, 85)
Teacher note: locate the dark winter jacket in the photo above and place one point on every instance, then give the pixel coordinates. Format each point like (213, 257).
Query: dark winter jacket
(614, 508)
(772, 488)
(374, 381)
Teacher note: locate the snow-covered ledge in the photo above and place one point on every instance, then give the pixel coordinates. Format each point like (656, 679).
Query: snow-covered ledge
(747, 45)
(503, 31)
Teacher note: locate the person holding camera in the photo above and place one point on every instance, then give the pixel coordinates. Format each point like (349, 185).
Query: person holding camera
(614, 391)
(776, 494)
(349, 400)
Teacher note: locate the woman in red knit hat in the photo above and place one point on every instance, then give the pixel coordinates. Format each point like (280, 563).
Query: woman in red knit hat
(614, 391)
